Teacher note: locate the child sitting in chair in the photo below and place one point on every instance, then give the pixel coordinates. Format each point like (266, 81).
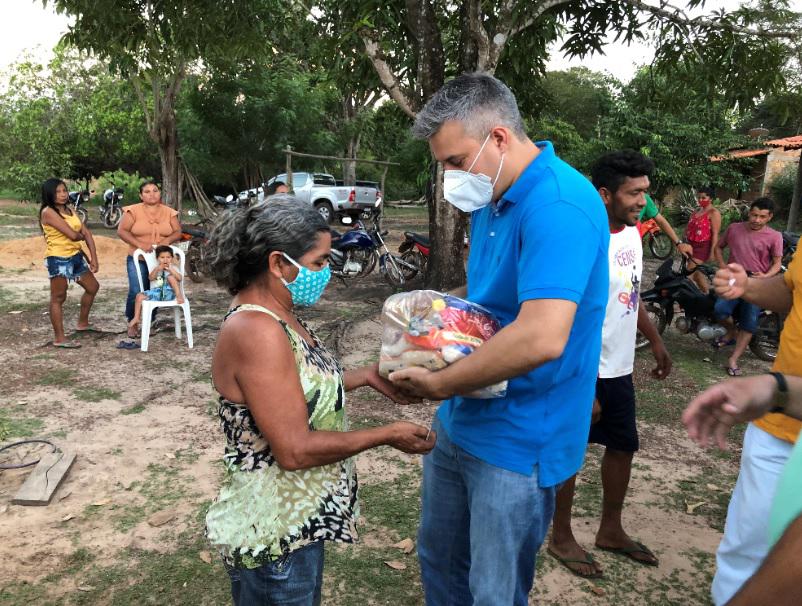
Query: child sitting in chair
(165, 280)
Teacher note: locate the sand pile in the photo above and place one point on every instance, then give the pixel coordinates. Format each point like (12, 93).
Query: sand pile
(29, 253)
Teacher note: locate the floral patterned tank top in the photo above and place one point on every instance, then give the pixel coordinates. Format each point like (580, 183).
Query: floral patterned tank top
(263, 512)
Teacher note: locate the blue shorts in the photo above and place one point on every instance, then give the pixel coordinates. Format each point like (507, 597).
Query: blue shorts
(743, 313)
(164, 293)
(71, 268)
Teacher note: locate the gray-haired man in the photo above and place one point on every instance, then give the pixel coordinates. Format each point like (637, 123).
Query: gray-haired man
(538, 260)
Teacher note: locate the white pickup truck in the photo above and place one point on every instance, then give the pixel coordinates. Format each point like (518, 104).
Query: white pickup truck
(331, 198)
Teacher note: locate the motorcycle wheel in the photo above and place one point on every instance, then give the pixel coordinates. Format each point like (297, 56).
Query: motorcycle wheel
(82, 214)
(393, 272)
(766, 340)
(658, 317)
(111, 219)
(368, 259)
(660, 245)
(416, 260)
(194, 261)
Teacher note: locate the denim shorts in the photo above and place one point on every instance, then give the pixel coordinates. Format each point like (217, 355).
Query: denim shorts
(71, 268)
(745, 314)
(165, 293)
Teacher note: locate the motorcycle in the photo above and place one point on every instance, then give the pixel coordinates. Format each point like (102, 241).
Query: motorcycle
(111, 212)
(78, 199)
(194, 238)
(675, 287)
(659, 243)
(790, 242)
(414, 254)
(356, 252)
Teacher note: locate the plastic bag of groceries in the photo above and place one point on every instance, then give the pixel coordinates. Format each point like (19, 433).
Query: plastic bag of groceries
(430, 329)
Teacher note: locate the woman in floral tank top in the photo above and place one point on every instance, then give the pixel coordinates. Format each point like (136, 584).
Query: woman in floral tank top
(291, 480)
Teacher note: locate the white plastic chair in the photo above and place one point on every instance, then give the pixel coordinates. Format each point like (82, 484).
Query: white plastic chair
(149, 306)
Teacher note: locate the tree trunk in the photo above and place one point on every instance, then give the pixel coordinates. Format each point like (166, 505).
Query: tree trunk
(445, 269)
(793, 212)
(352, 151)
(172, 177)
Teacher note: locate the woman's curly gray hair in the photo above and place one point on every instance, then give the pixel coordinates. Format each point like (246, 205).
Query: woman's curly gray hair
(243, 238)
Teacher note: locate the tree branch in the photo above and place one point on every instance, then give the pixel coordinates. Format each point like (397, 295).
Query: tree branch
(530, 21)
(677, 16)
(386, 76)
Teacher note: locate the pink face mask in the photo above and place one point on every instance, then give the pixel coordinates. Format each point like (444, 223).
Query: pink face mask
(704, 203)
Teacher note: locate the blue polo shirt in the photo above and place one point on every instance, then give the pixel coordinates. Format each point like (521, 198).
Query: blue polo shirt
(546, 238)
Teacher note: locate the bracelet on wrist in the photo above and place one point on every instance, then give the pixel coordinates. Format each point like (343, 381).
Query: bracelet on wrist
(781, 399)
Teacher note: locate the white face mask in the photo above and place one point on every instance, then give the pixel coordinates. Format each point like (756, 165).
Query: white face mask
(468, 191)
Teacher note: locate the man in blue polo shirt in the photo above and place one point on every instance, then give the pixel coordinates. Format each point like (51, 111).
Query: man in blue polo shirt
(538, 260)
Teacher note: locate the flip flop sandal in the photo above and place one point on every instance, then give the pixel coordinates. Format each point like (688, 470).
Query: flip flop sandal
(67, 345)
(588, 560)
(127, 345)
(88, 329)
(734, 371)
(722, 343)
(630, 551)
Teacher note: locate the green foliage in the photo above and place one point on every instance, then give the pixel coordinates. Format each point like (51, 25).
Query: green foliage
(69, 118)
(782, 188)
(119, 178)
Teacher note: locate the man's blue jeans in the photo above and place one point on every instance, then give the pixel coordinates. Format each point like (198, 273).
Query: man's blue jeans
(481, 527)
(294, 580)
(133, 284)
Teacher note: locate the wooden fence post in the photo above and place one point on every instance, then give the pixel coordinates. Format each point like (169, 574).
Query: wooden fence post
(288, 151)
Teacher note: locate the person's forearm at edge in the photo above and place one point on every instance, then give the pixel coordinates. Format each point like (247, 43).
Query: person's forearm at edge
(647, 327)
(776, 266)
(90, 244)
(168, 240)
(778, 580)
(769, 293)
(664, 225)
(460, 292)
(718, 255)
(516, 349)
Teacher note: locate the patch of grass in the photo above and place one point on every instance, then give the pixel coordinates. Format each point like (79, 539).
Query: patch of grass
(14, 220)
(178, 578)
(10, 302)
(710, 487)
(394, 504)
(133, 410)
(55, 376)
(96, 394)
(162, 486)
(20, 210)
(406, 212)
(17, 427)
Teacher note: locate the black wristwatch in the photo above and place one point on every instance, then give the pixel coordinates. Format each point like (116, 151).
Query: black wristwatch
(678, 242)
(782, 392)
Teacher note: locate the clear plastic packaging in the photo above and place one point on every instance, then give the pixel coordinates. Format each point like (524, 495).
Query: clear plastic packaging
(430, 329)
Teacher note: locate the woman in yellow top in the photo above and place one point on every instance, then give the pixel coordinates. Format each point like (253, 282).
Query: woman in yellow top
(65, 259)
(146, 225)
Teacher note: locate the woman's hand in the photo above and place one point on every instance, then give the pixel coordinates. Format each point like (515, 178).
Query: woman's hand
(411, 438)
(711, 414)
(94, 266)
(373, 379)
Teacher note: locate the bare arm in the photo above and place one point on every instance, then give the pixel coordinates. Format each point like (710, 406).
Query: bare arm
(53, 219)
(776, 582)
(538, 335)
(772, 293)
(258, 354)
(776, 266)
(90, 244)
(661, 355)
(715, 227)
(461, 292)
(175, 234)
(664, 225)
(718, 255)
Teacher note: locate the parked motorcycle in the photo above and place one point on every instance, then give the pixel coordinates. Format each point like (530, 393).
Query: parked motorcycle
(658, 241)
(194, 238)
(790, 242)
(356, 252)
(111, 212)
(414, 254)
(672, 287)
(79, 199)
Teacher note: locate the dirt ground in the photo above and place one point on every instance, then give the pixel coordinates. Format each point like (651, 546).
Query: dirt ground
(126, 526)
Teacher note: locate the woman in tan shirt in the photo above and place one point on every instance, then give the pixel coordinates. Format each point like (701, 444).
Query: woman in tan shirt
(146, 225)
